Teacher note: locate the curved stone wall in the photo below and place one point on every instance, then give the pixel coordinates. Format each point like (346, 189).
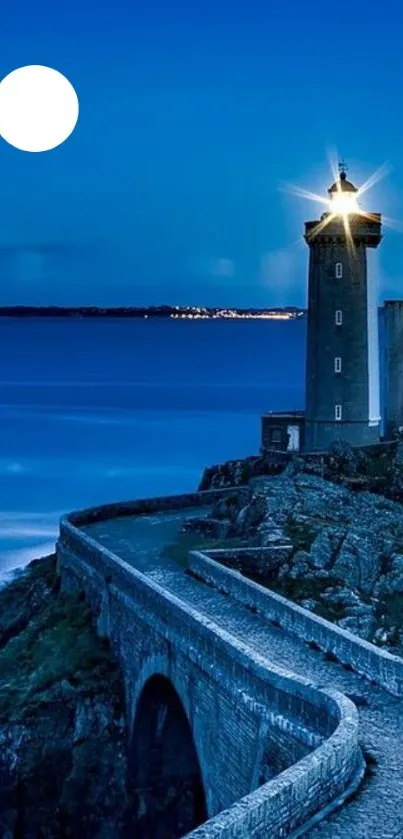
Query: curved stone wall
(375, 664)
(118, 592)
(279, 806)
(147, 506)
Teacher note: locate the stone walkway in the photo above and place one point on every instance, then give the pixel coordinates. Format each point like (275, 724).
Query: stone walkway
(377, 811)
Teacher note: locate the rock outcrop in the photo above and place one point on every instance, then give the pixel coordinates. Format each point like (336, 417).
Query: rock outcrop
(377, 469)
(238, 472)
(346, 561)
(62, 725)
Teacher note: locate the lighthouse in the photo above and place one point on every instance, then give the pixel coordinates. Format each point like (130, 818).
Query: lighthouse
(342, 370)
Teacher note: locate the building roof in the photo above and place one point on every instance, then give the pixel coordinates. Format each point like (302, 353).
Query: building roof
(278, 415)
(342, 185)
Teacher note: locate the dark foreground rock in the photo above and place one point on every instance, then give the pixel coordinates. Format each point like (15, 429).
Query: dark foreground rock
(62, 724)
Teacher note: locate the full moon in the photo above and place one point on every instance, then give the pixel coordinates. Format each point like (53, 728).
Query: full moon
(38, 108)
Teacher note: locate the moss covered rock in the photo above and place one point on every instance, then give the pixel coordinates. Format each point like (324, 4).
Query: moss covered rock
(62, 723)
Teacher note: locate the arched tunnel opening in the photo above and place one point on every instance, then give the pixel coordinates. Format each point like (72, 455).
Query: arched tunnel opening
(165, 777)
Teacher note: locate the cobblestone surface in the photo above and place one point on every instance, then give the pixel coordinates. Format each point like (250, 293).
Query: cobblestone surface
(377, 810)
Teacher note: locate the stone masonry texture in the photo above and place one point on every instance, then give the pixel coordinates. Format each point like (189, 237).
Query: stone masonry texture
(247, 685)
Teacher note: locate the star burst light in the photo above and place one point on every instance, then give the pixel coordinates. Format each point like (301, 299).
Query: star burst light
(344, 200)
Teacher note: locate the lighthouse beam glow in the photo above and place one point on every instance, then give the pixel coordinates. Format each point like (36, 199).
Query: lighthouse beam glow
(344, 203)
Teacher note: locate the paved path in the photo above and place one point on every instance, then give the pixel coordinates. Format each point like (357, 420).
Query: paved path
(377, 811)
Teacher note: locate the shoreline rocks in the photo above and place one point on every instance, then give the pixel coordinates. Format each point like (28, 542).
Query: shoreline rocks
(62, 723)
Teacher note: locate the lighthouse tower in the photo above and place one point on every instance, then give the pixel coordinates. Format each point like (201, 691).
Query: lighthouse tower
(342, 373)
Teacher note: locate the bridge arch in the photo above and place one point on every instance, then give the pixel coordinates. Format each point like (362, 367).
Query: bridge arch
(164, 770)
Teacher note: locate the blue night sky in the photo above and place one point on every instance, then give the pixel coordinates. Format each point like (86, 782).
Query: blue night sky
(193, 116)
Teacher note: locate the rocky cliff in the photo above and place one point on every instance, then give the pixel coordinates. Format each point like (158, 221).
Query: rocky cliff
(346, 558)
(238, 472)
(62, 726)
(377, 469)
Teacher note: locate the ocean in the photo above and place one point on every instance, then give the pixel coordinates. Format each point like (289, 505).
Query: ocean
(93, 411)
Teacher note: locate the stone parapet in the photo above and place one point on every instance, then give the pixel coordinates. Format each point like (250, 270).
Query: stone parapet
(124, 598)
(364, 658)
(148, 506)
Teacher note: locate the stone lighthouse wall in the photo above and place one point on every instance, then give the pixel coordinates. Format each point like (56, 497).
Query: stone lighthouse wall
(392, 366)
(341, 330)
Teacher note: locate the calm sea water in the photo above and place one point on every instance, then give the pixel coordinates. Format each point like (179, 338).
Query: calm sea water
(94, 411)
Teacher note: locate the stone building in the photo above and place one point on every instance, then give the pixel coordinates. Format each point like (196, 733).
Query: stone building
(391, 363)
(342, 400)
(283, 430)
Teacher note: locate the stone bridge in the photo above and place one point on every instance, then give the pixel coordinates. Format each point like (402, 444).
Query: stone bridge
(241, 706)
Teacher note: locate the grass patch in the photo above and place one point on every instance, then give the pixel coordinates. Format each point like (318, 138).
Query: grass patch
(391, 605)
(57, 643)
(15, 592)
(44, 569)
(301, 534)
(389, 617)
(178, 551)
(304, 588)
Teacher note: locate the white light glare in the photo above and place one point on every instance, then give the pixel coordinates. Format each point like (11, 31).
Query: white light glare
(343, 203)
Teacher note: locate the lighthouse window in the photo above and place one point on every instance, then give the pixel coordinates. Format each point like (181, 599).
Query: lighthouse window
(337, 412)
(339, 270)
(337, 364)
(338, 317)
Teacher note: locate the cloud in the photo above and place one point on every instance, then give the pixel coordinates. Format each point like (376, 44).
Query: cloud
(30, 266)
(222, 267)
(15, 247)
(284, 273)
(210, 267)
(12, 467)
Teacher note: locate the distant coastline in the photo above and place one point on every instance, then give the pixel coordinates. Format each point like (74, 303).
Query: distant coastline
(177, 312)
